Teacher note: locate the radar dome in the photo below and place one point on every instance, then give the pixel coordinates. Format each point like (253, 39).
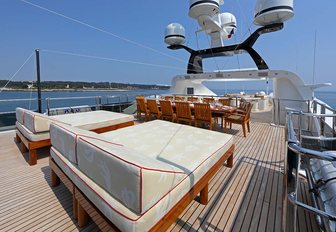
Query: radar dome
(228, 23)
(273, 11)
(175, 34)
(198, 8)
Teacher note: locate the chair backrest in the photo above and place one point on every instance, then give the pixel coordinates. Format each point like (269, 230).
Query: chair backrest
(192, 99)
(247, 114)
(202, 111)
(141, 103)
(243, 105)
(152, 106)
(224, 101)
(166, 108)
(179, 98)
(168, 98)
(183, 110)
(208, 100)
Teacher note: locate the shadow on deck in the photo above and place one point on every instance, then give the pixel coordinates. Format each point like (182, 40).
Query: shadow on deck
(247, 197)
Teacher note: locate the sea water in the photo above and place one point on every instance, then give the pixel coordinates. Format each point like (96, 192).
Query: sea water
(89, 98)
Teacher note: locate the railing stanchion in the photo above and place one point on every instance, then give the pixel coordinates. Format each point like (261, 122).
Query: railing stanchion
(279, 112)
(119, 104)
(273, 102)
(322, 119)
(48, 106)
(334, 125)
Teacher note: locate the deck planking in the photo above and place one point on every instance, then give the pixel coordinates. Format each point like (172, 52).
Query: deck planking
(247, 197)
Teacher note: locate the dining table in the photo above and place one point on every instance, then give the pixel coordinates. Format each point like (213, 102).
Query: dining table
(217, 110)
(220, 111)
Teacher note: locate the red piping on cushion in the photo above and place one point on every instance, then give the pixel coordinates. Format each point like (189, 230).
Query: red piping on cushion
(86, 136)
(156, 202)
(140, 189)
(52, 148)
(138, 166)
(76, 149)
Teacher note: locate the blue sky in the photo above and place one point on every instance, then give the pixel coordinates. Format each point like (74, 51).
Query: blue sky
(25, 27)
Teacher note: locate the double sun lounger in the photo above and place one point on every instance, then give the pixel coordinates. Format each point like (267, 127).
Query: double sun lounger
(137, 178)
(32, 129)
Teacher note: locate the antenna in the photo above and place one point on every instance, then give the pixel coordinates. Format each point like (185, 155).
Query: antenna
(314, 64)
(219, 26)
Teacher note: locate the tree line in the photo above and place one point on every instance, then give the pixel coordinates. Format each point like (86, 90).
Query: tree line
(78, 85)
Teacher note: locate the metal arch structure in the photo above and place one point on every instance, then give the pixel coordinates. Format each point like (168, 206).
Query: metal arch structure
(195, 64)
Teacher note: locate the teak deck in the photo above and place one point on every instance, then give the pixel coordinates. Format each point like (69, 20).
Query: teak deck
(247, 197)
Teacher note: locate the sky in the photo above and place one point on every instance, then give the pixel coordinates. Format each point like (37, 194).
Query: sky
(129, 35)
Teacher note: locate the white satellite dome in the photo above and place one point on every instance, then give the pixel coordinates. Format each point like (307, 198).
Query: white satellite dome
(198, 8)
(273, 11)
(175, 34)
(228, 24)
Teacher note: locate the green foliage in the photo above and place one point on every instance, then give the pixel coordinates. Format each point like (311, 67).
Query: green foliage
(79, 85)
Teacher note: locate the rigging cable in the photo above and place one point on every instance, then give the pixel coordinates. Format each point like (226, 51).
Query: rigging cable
(110, 59)
(12, 77)
(102, 30)
(241, 40)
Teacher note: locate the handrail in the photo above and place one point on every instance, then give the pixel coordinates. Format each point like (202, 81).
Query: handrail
(327, 156)
(18, 99)
(67, 98)
(294, 145)
(292, 199)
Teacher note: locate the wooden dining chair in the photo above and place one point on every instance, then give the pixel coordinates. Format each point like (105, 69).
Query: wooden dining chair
(202, 114)
(242, 119)
(153, 109)
(183, 112)
(208, 100)
(167, 110)
(141, 107)
(224, 101)
(192, 99)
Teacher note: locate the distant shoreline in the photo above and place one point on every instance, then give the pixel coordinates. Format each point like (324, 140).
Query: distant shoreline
(75, 90)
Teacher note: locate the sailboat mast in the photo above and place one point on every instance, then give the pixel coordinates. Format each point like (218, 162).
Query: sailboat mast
(38, 81)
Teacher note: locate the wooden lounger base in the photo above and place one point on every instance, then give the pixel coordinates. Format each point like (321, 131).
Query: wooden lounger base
(84, 208)
(32, 146)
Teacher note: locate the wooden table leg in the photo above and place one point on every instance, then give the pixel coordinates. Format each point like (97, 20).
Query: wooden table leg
(75, 206)
(23, 147)
(55, 180)
(32, 157)
(17, 139)
(229, 162)
(204, 195)
(82, 215)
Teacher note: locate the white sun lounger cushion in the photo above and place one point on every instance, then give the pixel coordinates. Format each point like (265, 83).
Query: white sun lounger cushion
(126, 174)
(32, 136)
(20, 115)
(114, 208)
(93, 119)
(36, 122)
(64, 139)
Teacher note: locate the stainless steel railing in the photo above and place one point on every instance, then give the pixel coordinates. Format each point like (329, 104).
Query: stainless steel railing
(297, 158)
(8, 106)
